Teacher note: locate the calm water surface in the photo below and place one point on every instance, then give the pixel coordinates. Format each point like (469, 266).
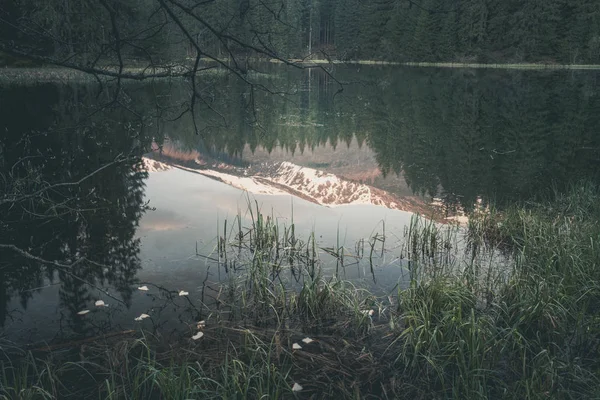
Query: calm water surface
(344, 164)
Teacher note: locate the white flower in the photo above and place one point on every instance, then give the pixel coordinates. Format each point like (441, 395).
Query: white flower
(100, 303)
(201, 325)
(307, 340)
(83, 312)
(296, 387)
(296, 346)
(197, 335)
(182, 293)
(141, 317)
(144, 288)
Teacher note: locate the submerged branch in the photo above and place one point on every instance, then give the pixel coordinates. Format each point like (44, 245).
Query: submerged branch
(63, 267)
(59, 185)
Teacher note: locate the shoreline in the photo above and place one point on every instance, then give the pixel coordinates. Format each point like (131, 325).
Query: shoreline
(453, 332)
(525, 66)
(14, 74)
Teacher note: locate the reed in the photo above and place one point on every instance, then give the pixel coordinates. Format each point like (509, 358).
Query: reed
(506, 308)
(521, 328)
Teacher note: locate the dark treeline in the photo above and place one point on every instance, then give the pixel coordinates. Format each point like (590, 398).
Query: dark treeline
(561, 31)
(564, 31)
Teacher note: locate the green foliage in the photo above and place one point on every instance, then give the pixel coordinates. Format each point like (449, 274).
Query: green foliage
(519, 326)
(446, 341)
(534, 332)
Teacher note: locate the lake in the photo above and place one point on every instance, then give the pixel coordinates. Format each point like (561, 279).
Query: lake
(103, 192)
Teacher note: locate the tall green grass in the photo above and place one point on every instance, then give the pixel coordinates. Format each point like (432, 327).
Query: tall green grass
(507, 308)
(527, 328)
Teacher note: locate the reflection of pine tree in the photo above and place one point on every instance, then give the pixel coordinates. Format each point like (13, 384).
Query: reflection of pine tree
(463, 143)
(94, 220)
(457, 134)
(498, 136)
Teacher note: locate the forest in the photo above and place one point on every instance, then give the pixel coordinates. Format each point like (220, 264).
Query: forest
(160, 31)
(124, 275)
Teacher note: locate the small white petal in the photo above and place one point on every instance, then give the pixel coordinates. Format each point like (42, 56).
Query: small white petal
(141, 317)
(182, 293)
(296, 387)
(296, 346)
(307, 340)
(197, 335)
(100, 303)
(83, 312)
(144, 288)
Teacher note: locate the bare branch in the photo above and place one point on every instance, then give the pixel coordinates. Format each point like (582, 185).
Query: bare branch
(167, 73)
(62, 267)
(59, 185)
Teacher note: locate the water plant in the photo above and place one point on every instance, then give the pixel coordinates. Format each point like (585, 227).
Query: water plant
(506, 308)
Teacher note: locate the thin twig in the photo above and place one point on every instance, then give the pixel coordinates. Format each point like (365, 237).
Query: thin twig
(62, 267)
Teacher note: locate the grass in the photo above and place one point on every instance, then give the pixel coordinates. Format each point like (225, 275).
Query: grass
(530, 332)
(506, 309)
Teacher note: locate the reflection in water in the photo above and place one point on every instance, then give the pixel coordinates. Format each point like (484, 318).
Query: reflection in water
(499, 136)
(286, 178)
(81, 235)
(460, 136)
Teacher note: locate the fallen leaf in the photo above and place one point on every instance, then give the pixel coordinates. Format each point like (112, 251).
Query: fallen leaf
(296, 346)
(100, 303)
(83, 312)
(141, 317)
(296, 387)
(144, 288)
(197, 335)
(182, 293)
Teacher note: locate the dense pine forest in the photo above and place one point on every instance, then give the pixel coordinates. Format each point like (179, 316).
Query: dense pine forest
(506, 31)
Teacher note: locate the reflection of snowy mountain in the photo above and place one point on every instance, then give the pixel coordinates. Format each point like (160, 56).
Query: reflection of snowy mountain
(286, 178)
(328, 189)
(151, 165)
(351, 160)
